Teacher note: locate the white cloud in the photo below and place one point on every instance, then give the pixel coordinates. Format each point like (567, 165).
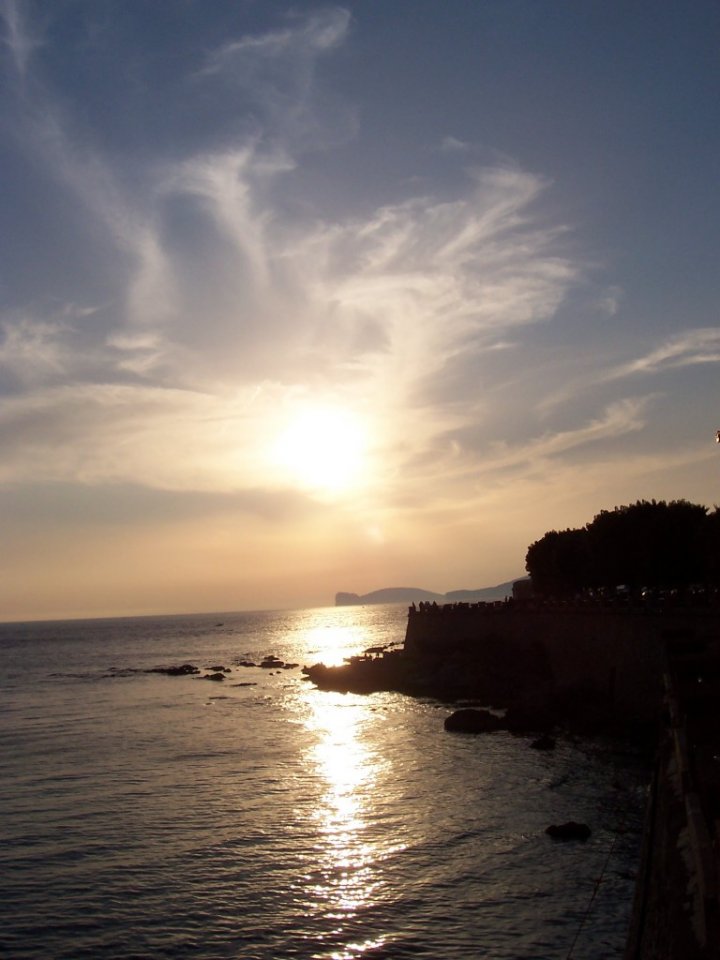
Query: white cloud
(609, 303)
(33, 350)
(449, 460)
(617, 419)
(275, 75)
(685, 349)
(363, 312)
(226, 294)
(453, 145)
(106, 433)
(316, 33)
(19, 39)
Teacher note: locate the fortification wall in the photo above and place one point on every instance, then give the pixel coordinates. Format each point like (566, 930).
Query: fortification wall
(612, 653)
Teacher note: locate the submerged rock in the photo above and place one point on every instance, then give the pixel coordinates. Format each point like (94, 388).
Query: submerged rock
(474, 721)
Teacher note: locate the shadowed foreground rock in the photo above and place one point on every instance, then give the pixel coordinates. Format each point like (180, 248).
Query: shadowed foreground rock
(531, 706)
(474, 721)
(393, 672)
(569, 831)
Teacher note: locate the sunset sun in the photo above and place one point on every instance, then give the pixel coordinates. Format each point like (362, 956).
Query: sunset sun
(322, 449)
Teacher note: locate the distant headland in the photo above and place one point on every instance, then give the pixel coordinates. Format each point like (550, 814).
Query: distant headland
(416, 595)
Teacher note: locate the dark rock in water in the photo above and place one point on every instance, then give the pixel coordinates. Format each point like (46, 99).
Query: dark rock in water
(569, 831)
(543, 743)
(219, 669)
(185, 670)
(474, 721)
(246, 663)
(214, 676)
(361, 676)
(251, 684)
(270, 662)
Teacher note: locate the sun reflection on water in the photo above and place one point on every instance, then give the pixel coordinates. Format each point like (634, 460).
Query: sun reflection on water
(346, 880)
(331, 643)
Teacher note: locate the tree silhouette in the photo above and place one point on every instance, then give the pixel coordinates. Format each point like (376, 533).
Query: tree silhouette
(646, 544)
(559, 563)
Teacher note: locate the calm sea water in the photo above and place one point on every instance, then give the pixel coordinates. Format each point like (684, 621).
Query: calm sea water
(147, 816)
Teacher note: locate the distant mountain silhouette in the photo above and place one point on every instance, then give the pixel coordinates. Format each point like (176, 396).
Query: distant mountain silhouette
(415, 595)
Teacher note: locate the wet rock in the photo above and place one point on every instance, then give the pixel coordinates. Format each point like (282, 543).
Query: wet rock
(474, 721)
(271, 662)
(569, 831)
(246, 663)
(184, 670)
(214, 676)
(219, 669)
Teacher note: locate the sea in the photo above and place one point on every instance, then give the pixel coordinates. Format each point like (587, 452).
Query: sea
(145, 815)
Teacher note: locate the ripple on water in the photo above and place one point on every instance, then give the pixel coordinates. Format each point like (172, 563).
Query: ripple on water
(285, 822)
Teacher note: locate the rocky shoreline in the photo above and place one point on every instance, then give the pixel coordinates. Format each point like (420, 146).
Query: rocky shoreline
(518, 705)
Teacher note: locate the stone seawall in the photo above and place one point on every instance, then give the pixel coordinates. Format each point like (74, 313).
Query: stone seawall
(614, 655)
(676, 913)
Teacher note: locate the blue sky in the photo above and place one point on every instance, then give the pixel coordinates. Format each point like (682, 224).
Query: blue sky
(305, 298)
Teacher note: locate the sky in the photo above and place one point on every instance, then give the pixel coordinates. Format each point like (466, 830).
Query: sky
(304, 298)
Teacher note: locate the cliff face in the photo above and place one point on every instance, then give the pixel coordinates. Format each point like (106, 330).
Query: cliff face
(343, 599)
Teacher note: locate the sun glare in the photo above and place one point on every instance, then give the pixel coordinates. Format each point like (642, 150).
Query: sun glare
(323, 449)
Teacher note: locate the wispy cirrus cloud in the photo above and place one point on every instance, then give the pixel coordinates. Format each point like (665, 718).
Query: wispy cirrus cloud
(618, 419)
(275, 75)
(19, 38)
(686, 349)
(252, 55)
(457, 457)
(32, 350)
(222, 290)
(115, 433)
(690, 348)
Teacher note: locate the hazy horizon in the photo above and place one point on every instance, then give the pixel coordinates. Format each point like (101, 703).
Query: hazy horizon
(228, 611)
(299, 298)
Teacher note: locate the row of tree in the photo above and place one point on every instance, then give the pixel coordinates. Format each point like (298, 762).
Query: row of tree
(650, 544)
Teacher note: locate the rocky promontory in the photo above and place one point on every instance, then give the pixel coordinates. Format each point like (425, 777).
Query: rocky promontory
(592, 666)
